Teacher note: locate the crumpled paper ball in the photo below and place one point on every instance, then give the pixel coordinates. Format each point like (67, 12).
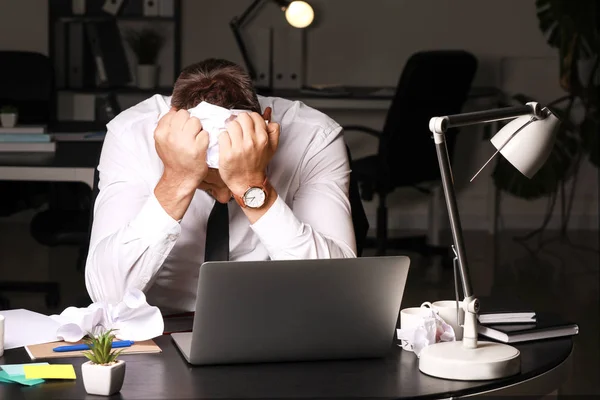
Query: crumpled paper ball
(132, 319)
(214, 120)
(431, 329)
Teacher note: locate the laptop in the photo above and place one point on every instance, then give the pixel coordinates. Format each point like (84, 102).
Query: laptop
(295, 310)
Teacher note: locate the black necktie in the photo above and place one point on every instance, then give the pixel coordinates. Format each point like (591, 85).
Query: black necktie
(217, 234)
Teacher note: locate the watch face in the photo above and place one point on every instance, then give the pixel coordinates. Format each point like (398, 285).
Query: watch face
(254, 197)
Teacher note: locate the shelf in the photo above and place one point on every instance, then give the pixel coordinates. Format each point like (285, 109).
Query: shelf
(99, 18)
(77, 126)
(122, 90)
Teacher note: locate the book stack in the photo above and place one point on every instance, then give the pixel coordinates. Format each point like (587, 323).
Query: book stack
(511, 321)
(546, 326)
(26, 139)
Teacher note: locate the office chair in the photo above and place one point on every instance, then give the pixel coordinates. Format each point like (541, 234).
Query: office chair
(432, 83)
(26, 82)
(359, 216)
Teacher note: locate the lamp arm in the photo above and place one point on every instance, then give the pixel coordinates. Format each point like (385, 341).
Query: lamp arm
(236, 24)
(442, 124)
(470, 304)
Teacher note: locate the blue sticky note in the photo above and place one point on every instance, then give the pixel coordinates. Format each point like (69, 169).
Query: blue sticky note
(19, 379)
(17, 369)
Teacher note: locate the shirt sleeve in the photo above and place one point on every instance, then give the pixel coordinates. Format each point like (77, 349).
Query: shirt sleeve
(131, 233)
(319, 223)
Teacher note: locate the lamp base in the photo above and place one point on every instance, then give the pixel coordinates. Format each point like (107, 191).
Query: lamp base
(451, 360)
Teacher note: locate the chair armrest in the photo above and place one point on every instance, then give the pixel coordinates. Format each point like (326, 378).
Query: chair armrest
(365, 129)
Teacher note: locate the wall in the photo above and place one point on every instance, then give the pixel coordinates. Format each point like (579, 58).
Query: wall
(366, 43)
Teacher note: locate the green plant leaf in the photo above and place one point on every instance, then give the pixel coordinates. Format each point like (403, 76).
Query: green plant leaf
(573, 28)
(101, 347)
(146, 43)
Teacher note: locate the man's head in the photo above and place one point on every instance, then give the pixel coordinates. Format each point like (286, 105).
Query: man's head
(216, 81)
(222, 83)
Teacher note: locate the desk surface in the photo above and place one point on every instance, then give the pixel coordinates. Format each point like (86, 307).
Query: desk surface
(168, 376)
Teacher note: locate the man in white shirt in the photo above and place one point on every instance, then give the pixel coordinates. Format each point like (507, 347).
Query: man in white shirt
(156, 191)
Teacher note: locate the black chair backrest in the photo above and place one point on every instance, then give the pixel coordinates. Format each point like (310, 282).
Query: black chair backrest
(359, 216)
(27, 82)
(432, 83)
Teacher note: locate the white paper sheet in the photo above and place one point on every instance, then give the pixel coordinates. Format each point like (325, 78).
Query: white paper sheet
(23, 327)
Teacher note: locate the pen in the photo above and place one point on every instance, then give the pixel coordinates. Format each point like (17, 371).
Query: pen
(78, 347)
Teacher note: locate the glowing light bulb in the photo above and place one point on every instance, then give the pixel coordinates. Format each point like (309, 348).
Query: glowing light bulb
(299, 14)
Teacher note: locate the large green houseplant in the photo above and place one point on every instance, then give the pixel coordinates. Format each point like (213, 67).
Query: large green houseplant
(573, 28)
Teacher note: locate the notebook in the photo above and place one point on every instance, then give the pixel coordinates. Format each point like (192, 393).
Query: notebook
(505, 311)
(44, 350)
(546, 326)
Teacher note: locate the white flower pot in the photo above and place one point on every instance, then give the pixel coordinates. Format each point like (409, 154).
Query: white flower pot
(8, 120)
(147, 76)
(103, 380)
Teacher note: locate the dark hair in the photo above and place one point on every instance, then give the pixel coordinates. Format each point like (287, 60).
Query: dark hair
(216, 81)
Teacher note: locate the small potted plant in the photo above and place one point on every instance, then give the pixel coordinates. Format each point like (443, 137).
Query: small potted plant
(146, 44)
(8, 116)
(103, 374)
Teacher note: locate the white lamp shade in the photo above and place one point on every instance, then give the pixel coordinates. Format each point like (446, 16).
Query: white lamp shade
(529, 149)
(299, 14)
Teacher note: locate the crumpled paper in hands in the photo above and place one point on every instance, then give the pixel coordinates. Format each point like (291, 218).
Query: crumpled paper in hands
(431, 329)
(132, 319)
(214, 120)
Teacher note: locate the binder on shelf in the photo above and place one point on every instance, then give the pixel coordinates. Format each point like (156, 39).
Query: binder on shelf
(80, 68)
(133, 8)
(166, 8)
(61, 44)
(112, 6)
(151, 8)
(78, 7)
(109, 53)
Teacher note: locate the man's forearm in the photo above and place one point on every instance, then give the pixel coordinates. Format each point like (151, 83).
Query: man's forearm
(174, 195)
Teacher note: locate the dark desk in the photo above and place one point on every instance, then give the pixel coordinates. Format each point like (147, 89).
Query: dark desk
(359, 98)
(168, 376)
(73, 161)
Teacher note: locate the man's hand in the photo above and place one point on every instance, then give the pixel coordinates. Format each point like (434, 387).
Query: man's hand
(181, 144)
(245, 150)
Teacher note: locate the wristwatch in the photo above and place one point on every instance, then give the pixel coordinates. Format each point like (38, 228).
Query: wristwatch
(254, 197)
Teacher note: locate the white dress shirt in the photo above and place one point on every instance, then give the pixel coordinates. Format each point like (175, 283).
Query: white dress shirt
(136, 244)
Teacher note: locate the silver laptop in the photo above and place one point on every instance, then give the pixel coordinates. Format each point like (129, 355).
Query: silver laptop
(296, 310)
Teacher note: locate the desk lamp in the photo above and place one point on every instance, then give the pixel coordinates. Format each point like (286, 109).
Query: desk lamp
(298, 14)
(526, 142)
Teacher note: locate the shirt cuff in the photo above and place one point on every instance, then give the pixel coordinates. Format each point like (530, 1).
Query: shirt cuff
(278, 226)
(154, 225)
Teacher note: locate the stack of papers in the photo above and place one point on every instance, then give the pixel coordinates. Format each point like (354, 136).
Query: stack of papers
(24, 327)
